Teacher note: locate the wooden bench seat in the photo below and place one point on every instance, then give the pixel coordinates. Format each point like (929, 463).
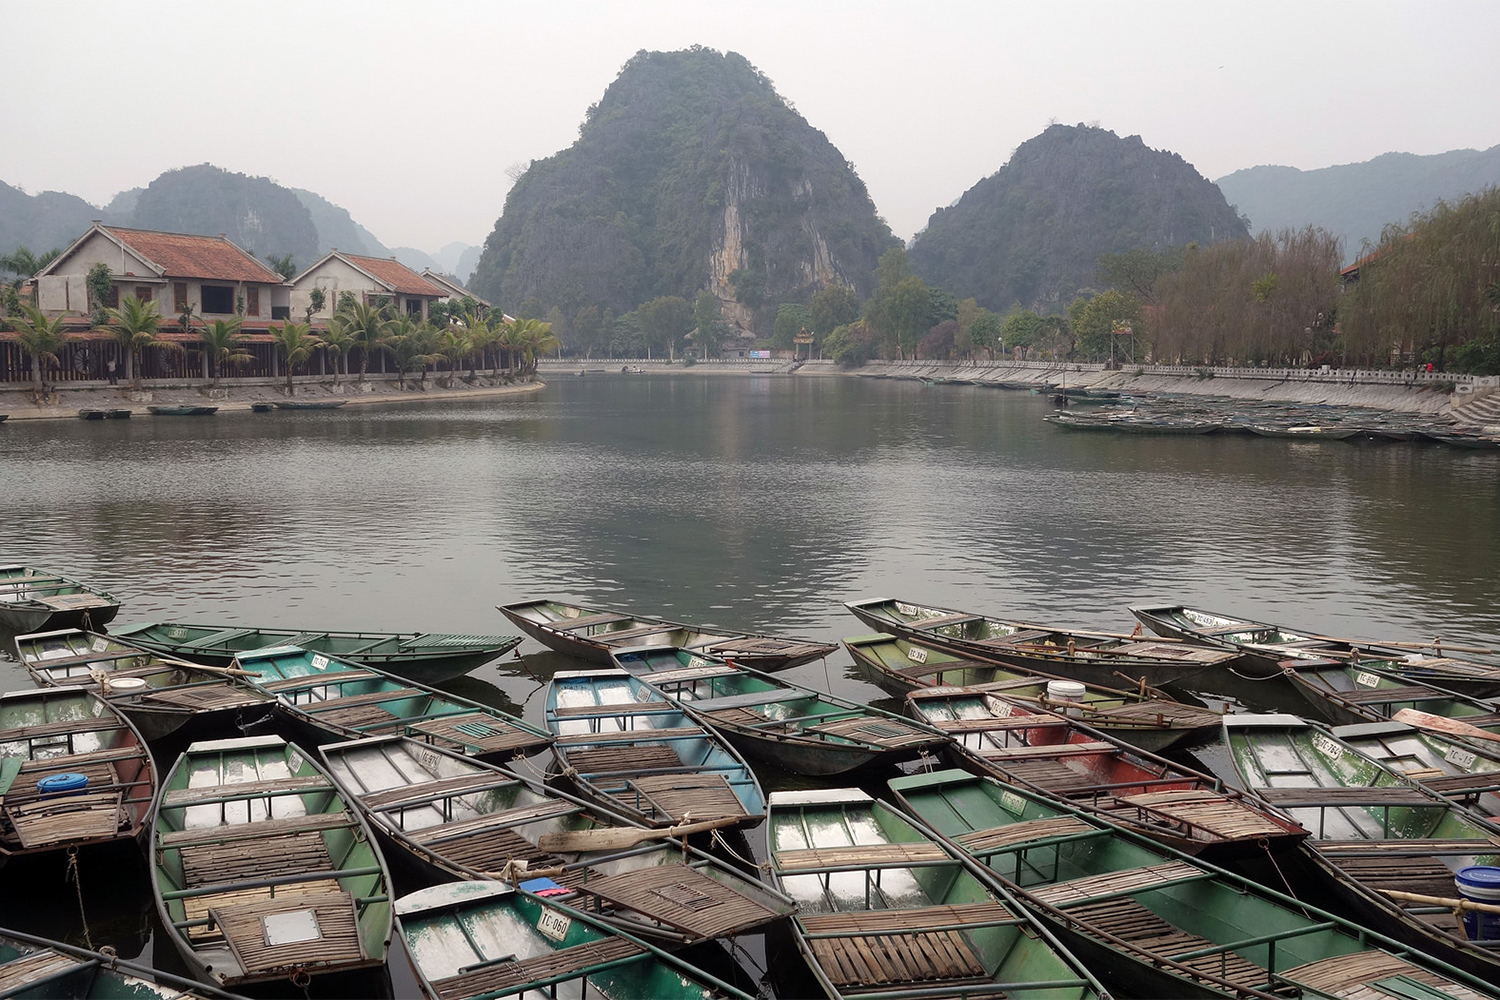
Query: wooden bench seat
(632, 736)
(613, 637)
(505, 818)
(1341, 974)
(504, 976)
(915, 918)
(683, 898)
(236, 832)
(939, 621)
(424, 792)
(338, 943)
(1391, 795)
(210, 794)
(629, 759)
(860, 856)
(369, 698)
(674, 797)
(1129, 880)
(1040, 830)
(890, 734)
(45, 964)
(1128, 921)
(1052, 751)
(48, 730)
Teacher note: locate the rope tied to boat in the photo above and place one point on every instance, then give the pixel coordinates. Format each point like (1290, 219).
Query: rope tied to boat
(73, 877)
(300, 978)
(760, 866)
(108, 951)
(1264, 843)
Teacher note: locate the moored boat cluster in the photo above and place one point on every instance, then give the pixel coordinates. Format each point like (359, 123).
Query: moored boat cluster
(1033, 824)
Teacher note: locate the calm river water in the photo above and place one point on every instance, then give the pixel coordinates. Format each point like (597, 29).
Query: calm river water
(755, 502)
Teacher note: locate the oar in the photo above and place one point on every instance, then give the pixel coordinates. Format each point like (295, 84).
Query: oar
(232, 671)
(1442, 724)
(614, 838)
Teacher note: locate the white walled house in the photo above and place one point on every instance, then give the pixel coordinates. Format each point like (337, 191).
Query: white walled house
(210, 274)
(368, 279)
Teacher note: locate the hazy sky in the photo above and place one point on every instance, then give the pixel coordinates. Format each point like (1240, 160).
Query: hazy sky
(407, 114)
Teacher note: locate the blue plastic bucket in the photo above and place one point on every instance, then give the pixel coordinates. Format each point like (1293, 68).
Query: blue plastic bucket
(1480, 884)
(61, 784)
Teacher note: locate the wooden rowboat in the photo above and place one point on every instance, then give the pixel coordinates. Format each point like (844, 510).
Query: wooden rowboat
(1090, 770)
(335, 699)
(309, 404)
(181, 410)
(1157, 923)
(35, 600)
(886, 910)
(1346, 694)
(161, 696)
(455, 817)
(1462, 771)
(429, 657)
(628, 748)
(470, 940)
(795, 728)
(262, 871)
(1373, 833)
(74, 773)
(33, 967)
(593, 633)
(1095, 657)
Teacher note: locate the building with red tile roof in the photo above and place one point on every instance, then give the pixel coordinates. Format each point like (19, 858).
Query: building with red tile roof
(369, 280)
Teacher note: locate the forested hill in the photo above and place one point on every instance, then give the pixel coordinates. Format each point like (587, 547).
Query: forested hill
(690, 173)
(1355, 201)
(43, 221)
(256, 213)
(1031, 233)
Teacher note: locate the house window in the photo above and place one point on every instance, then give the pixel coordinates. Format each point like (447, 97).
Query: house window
(112, 300)
(144, 293)
(414, 307)
(252, 301)
(218, 299)
(179, 296)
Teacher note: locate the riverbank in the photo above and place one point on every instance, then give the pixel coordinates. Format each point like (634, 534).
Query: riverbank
(69, 398)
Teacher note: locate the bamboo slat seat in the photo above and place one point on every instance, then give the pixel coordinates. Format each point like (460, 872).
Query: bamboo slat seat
(1128, 920)
(369, 698)
(986, 723)
(1453, 784)
(297, 852)
(318, 680)
(1205, 809)
(660, 677)
(1158, 712)
(49, 729)
(760, 646)
(683, 898)
(750, 699)
(89, 816)
(207, 697)
(338, 941)
(362, 717)
(888, 733)
(1129, 880)
(1055, 750)
(631, 736)
(941, 958)
(423, 792)
(245, 789)
(1344, 974)
(1408, 845)
(912, 918)
(504, 819)
(1389, 795)
(625, 711)
(509, 975)
(674, 796)
(980, 841)
(234, 832)
(475, 729)
(629, 759)
(860, 855)
(18, 973)
(1053, 775)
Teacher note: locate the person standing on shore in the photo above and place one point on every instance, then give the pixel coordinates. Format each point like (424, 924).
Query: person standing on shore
(114, 377)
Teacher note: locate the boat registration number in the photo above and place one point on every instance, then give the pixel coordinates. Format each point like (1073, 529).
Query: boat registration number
(1368, 680)
(1459, 757)
(1012, 802)
(100, 645)
(917, 654)
(319, 661)
(1327, 747)
(908, 610)
(553, 924)
(1000, 709)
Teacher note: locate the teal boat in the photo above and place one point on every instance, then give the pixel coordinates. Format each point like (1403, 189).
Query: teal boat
(429, 657)
(1156, 923)
(161, 696)
(886, 911)
(482, 940)
(1386, 848)
(1463, 771)
(628, 748)
(457, 818)
(263, 872)
(336, 699)
(795, 728)
(33, 968)
(34, 600)
(74, 774)
(1346, 694)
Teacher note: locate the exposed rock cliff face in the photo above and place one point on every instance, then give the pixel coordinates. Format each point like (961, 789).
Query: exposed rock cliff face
(1031, 233)
(690, 173)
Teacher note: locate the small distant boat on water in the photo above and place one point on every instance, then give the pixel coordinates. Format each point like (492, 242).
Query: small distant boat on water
(593, 633)
(96, 413)
(262, 871)
(35, 600)
(310, 404)
(638, 754)
(1316, 432)
(486, 939)
(160, 696)
(1095, 657)
(262, 407)
(789, 726)
(630, 369)
(181, 410)
(74, 773)
(335, 699)
(1132, 423)
(430, 657)
(34, 967)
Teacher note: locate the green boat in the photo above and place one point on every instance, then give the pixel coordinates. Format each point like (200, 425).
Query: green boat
(1386, 848)
(429, 657)
(74, 774)
(473, 940)
(262, 871)
(454, 817)
(181, 410)
(795, 728)
(161, 696)
(1463, 771)
(1153, 922)
(336, 699)
(34, 600)
(886, 911)
(33, 968)
(1346, 694)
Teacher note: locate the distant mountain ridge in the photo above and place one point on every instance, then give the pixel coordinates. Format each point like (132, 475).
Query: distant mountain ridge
(1032, 232)
(1355, 201)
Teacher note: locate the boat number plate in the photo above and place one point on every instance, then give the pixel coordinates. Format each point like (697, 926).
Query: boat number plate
(553, 924)
(918, 654)
(698, 661)
(100, 645)
(319, 662)
(1459, 757)
(1327, 747)
(907, 609)
(428, 759)
(1000, 709)
(1012, 802)
(294, 761)
(98, 707)
(1368, 680)
(177, 633)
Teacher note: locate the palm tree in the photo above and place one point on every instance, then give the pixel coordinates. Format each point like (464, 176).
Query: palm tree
(135, 325)
(223, 341)
(533, 338)
(410, 343)
(338, 340)
(295, 343)
(39, 339)
(481, 335)
(454, 343)
(25, 264)
(503, 341)
(366, 326)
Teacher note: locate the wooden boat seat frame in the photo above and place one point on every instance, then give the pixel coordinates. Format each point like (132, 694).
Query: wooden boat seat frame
(683, 898)
(486, 979)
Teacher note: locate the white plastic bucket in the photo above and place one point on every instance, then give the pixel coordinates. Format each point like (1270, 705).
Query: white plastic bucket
(1070, 691)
